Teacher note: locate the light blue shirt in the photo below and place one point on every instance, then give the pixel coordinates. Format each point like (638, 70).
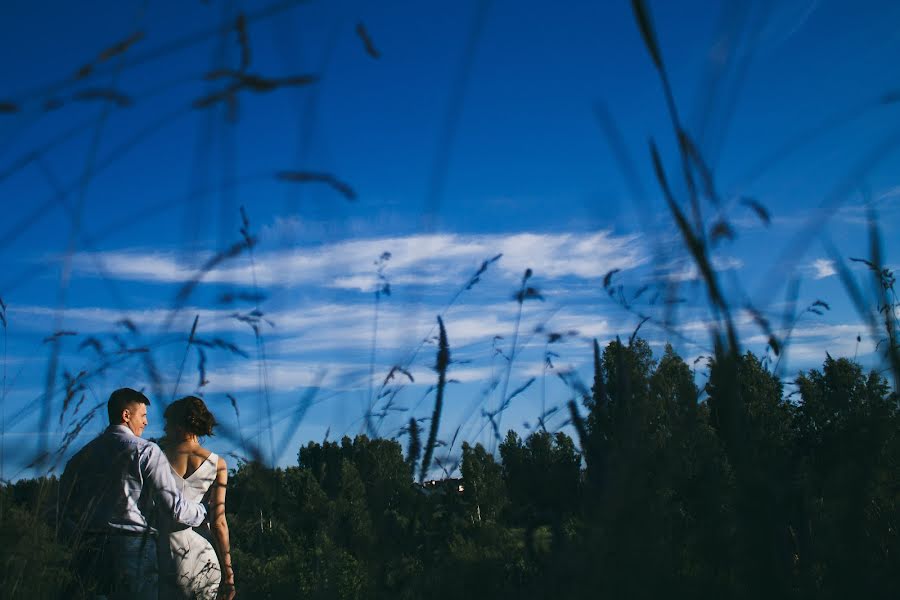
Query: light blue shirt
(114, 482)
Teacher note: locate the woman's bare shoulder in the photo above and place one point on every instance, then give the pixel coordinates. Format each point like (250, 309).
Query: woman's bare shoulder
(209, 455)
(201, 452)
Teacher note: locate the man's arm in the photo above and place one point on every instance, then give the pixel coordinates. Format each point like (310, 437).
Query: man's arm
(68, 493)
(159, 475)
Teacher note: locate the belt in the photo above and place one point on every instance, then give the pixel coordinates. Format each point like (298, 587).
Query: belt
(122, 532)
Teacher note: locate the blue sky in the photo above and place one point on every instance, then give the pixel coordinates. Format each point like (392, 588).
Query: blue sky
(475, 132)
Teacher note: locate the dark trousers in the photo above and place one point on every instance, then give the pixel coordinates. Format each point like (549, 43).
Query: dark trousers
(117, 566)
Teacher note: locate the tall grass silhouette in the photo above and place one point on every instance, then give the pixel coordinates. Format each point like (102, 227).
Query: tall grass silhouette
(359, 517)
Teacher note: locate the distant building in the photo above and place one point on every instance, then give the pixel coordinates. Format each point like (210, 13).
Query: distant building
(442, 486)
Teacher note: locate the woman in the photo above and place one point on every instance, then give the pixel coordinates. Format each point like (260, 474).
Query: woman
(195, 563)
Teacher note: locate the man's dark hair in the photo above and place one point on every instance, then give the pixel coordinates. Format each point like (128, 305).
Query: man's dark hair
(119, 401)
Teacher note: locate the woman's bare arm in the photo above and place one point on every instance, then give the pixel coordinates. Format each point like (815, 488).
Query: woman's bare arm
(219, 526)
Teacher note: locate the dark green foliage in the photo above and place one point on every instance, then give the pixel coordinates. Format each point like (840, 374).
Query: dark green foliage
(484, 489)
(753, 422)
(848, 449)
(543, 476)
(32, 563)
(732, 492)
(666, 484)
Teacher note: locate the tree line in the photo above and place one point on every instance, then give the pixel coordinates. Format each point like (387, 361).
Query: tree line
(738, 489)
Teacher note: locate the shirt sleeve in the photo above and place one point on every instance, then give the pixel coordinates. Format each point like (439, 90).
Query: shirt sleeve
(159, 475)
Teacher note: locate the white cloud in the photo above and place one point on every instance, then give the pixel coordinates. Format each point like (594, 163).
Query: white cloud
(292, 375)
(332, 342)
(847, 331)
(812, 354)
(94, 319)
(808, 343)
(686, 270)
(428, 259)
(883, 204)
(889, 194)
(321, 327)
(347, 327)
(281, 375)
(822, 268)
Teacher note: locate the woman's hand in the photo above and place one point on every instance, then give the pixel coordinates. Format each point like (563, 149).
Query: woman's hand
(226, 591)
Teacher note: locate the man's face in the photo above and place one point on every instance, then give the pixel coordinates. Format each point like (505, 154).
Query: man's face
(135, 418)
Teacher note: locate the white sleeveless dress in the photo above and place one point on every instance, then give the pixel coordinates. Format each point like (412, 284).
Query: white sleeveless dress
(189, 566)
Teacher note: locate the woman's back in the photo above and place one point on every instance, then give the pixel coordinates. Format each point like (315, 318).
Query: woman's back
(195, 468)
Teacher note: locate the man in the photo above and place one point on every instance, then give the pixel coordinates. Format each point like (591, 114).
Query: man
(107, 491)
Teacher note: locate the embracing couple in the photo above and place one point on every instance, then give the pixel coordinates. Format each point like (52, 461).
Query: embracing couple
(147, 522)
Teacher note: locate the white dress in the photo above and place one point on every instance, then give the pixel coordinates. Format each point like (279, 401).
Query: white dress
(189, 566)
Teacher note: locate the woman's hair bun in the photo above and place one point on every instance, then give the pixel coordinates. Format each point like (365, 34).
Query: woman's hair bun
(190, 414)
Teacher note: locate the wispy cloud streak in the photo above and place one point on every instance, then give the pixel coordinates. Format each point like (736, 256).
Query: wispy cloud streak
(415, 260)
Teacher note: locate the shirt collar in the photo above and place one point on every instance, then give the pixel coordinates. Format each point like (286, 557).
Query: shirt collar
(121, 429)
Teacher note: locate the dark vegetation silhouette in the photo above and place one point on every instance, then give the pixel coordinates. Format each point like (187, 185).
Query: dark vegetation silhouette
(654, 486)
(744, 494)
